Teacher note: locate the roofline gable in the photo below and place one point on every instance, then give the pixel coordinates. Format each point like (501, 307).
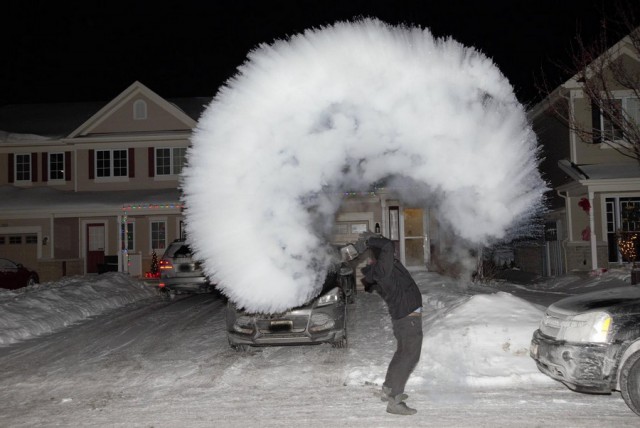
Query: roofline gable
(614, 52)
(135, 89)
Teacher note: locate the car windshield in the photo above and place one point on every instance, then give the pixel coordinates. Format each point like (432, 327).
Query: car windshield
(180, 251)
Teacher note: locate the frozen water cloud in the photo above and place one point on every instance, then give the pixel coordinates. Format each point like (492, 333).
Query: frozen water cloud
(340, 108)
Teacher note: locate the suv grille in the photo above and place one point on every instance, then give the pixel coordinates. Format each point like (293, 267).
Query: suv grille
(550, 324)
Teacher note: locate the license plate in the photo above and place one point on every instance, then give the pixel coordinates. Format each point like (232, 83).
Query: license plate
(280, 325)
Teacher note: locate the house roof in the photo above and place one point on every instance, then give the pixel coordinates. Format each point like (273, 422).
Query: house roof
(602, 171)
(623, 46)
(61, 119)
(26, 201)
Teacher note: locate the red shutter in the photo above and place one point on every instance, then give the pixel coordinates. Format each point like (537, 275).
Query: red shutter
(45, 167)
(132, 163)
(67, 166)
(152, 167)
(10, 168)
(91, 165)
(34, 167)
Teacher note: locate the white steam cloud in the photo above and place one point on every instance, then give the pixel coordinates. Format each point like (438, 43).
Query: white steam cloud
(340, 108)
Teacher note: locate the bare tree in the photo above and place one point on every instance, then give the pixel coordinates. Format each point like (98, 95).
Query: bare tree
(603, 70)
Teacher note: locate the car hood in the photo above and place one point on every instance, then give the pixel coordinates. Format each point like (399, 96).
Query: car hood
(610, 300)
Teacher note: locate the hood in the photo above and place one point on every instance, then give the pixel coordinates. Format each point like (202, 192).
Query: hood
(598, 300)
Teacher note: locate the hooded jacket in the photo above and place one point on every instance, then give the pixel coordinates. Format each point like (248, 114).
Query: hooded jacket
(391, 279)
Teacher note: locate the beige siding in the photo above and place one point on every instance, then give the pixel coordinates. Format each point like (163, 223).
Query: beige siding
(121, 120)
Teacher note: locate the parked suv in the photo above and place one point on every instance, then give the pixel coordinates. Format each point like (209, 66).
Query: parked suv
(591, 343)
(180, 273)
(323, 319)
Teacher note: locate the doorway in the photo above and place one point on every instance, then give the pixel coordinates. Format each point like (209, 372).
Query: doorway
(95, 246)
(414, 237)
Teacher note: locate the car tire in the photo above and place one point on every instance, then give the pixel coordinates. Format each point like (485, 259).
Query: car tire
(630, 382)
(341, 344)
(32, 281)
(239, 348)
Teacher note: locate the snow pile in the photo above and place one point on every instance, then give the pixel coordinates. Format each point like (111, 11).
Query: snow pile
(338, 109)
(483, 342)
(45, 308)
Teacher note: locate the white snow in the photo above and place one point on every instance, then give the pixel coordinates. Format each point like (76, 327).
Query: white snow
(337, 109)
(110, 357)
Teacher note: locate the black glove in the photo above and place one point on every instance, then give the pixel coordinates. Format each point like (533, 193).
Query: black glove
(360, 245)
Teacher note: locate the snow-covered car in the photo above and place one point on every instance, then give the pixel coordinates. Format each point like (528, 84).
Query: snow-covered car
(180, 273)
(14, 275)
(321, 320)
(591, 343)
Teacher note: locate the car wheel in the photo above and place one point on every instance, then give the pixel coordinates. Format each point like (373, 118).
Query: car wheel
(32, 281)
(630, 382)
(239, 348)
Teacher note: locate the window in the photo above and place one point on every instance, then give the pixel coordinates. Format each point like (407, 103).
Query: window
(23, 167)
(158, 235)
(170, 161)
(56, 166)
(1, 240)
(130, 236)
(611, 125)
(15, 239)
(111, 163)
(31, 239)
(139, 110)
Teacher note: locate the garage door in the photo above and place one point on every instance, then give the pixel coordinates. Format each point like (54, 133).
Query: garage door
(21, 248)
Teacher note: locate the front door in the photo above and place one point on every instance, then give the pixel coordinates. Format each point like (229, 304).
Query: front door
(95, 246)
(414, 237)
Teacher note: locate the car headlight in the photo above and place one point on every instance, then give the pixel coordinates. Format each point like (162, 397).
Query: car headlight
(590, 327)
(329, 298)
(243, 325)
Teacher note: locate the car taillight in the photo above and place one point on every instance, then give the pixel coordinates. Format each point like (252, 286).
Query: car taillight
(165, 264)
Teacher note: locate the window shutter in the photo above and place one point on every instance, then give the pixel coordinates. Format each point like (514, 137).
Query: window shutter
(132, 163)
(91, 164)
(152, 167)
(45, 167)
(10, 168)
(596, 131)
(67, 166)
(34, 167)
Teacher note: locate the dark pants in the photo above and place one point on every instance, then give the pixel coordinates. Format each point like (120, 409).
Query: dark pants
(408, 333)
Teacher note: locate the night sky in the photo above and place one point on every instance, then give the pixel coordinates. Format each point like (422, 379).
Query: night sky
(92, 50)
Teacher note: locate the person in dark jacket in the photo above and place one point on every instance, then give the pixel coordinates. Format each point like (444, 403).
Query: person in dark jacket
(390, 279)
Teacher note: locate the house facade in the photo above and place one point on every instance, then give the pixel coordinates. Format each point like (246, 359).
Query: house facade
(87, 187)
(596, 186)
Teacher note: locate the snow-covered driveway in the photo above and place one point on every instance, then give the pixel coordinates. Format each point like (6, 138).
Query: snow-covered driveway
(167, 364)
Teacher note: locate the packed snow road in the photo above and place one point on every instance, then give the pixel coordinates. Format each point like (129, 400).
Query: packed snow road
(167, 364)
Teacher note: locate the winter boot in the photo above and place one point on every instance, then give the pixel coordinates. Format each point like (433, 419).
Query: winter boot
(386, 393)
(397, 406)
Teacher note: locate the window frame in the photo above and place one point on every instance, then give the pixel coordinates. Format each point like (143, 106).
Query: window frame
(50, 166)
(615, 135)
(140, 110)
(111, 168)
(19, 168)
(152, 238)
(174, 168)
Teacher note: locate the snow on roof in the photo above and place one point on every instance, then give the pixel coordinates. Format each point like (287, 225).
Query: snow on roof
(604, 171)
(58, 201)
(17, 138)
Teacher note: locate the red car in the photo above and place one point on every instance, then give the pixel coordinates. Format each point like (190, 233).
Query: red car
(14, 275)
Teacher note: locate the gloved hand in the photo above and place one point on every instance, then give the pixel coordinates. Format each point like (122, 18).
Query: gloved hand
(360, 245)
